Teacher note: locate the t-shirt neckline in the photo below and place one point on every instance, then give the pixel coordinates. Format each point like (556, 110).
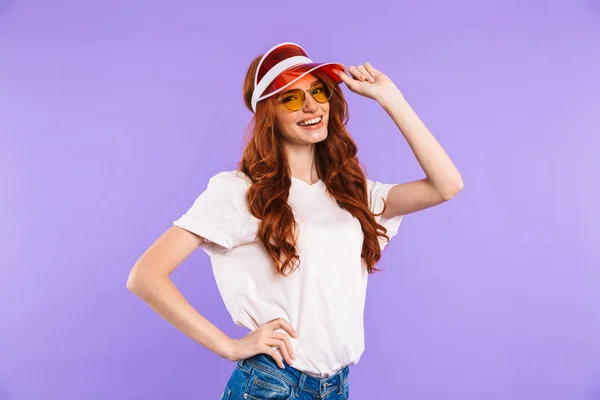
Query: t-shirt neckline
(302, 182)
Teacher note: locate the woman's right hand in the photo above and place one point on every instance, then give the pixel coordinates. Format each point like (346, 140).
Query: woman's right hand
(262, 339)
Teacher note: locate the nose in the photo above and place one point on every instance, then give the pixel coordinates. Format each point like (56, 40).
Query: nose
(310, 104)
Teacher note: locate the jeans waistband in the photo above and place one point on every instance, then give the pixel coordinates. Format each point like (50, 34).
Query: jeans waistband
(295, 377)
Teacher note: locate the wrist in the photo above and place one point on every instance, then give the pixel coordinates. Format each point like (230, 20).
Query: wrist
(227, 349)
(390, 98)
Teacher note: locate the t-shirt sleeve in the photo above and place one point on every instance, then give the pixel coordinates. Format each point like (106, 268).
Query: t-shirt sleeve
(219, 214)
(377, 193)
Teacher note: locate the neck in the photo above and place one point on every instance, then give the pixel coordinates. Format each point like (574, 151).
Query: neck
(301, 159)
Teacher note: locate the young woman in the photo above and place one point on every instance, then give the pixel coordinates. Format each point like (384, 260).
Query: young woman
(294, 232)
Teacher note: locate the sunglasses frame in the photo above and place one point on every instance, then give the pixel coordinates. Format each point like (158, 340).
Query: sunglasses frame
(279, 98)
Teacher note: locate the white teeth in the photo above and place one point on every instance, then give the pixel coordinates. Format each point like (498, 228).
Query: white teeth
(310, 122)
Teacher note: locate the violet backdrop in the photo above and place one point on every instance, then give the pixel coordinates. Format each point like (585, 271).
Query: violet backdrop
(114, 114)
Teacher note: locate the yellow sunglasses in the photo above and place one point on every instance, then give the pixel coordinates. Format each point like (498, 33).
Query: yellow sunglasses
(294, 99)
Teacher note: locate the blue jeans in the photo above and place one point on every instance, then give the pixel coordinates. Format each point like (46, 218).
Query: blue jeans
(260, 378)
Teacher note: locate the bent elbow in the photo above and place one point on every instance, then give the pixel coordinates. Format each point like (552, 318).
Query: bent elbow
(451, 193)
(133, 284)
(145, 284)
(130, 283)
(136, 281)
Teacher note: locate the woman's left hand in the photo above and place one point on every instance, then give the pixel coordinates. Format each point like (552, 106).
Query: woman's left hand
(367, 81)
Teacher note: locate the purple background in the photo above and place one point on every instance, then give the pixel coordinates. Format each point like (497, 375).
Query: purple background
(114, 114)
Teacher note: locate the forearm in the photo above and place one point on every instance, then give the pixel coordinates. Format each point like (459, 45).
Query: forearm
(434, 161)
(163, 297)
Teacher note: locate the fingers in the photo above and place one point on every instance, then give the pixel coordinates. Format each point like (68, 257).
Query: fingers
(370, 69)
(345, 78)
(281, 341)
(283, 348)
(361, 73)
(274, 354)
(349, 81)
(366, 75)
(289, 350)
(282, 323)
(356, 73)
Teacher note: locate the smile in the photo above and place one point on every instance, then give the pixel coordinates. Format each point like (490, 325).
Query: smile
(311, 122)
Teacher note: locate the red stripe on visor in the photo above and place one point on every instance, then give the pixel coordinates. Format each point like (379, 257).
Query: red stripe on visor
(276, 56)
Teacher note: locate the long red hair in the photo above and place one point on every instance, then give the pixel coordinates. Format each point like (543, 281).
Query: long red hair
(265, 163)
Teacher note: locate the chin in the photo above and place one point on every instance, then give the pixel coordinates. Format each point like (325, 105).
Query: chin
(315, 138)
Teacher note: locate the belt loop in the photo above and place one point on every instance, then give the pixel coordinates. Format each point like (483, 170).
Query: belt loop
(340, 382)
(301, 383)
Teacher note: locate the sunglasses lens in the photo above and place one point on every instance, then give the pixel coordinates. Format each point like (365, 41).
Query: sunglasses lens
(321, 92)
(293, 99)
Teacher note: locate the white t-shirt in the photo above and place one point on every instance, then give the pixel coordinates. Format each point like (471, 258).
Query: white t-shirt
(323, 299)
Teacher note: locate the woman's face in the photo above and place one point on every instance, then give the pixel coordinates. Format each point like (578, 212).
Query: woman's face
(287, 122)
